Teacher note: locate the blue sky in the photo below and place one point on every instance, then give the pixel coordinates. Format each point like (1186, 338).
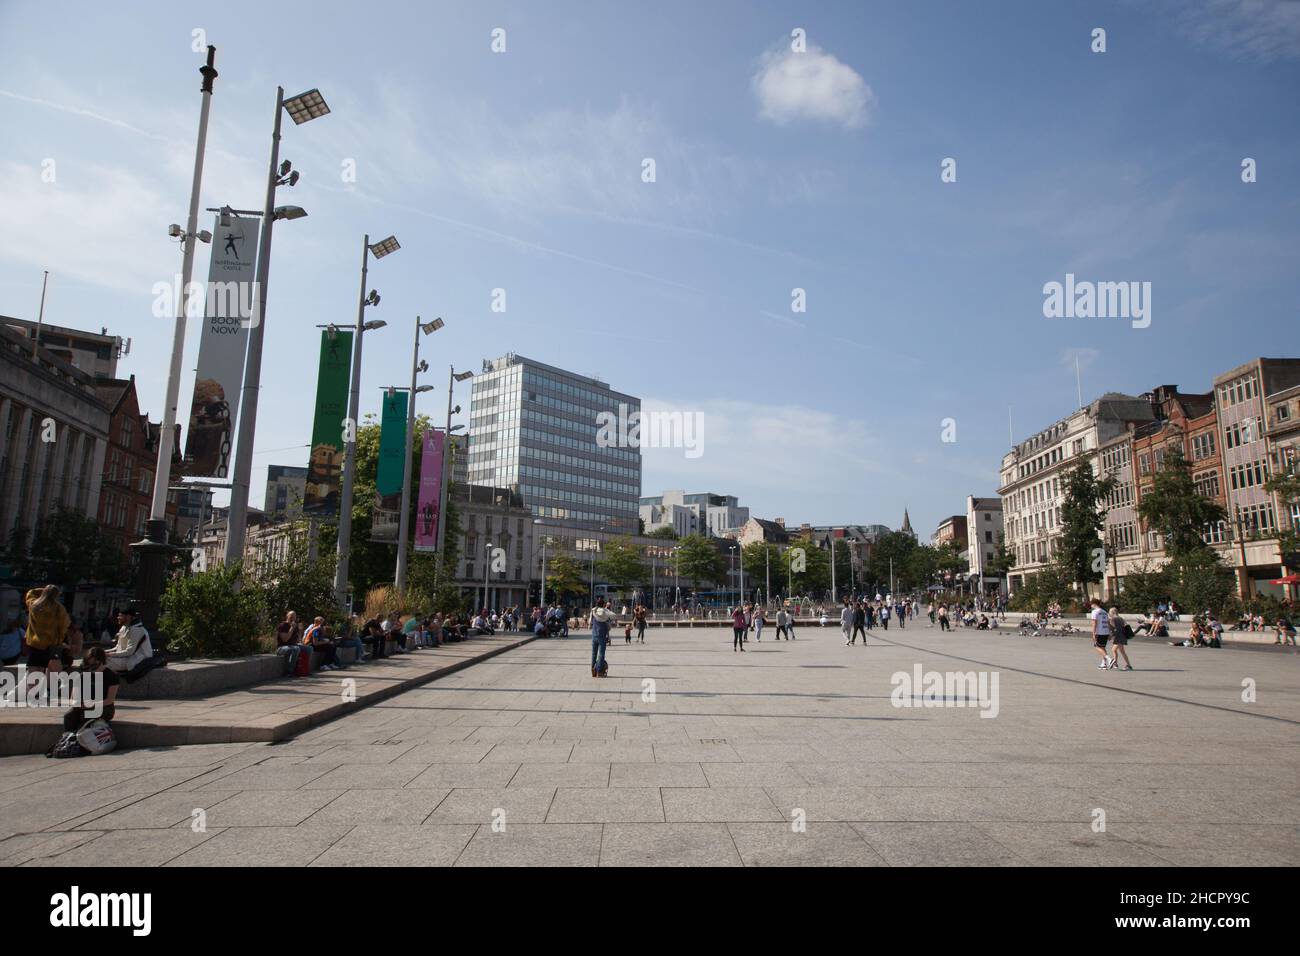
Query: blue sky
(819, 170)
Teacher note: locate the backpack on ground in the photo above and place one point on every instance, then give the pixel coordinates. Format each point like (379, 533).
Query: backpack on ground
(66, 746)
(96, 737)
(603, 669)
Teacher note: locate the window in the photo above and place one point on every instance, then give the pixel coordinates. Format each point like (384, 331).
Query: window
(988, 537)
(1215, 532)
(1144, 464)
(1281, 413)
(1202, 446)
(1206, 483)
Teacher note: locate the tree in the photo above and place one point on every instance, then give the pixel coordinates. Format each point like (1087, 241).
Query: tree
(815, 563)
(1175, 508)
(696, 559)
(1287, 487)
(1080, 550)
(896, 546)
(213, 613)
(758, 558)
(300, 584)
(68, 548)
(666, 532)
(564, 577)
(1004, 559)
(1199, 582)
(622, 564)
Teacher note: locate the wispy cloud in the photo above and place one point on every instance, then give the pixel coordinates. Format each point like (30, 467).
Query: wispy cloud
(811, 85)
(1264, 30)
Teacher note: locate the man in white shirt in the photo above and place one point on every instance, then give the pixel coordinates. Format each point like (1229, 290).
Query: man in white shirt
(1100, 632)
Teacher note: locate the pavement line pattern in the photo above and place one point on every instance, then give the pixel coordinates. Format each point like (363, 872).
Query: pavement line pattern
(803, 755)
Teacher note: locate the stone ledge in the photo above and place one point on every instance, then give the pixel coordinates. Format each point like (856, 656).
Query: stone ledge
(33, 732)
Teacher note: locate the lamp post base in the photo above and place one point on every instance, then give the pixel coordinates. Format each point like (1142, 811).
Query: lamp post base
(153, 552)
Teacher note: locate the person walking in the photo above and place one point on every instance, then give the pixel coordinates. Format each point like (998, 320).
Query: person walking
(640, 619)
(884, 616)
(846, 622)
(1119, 635)
(782, 619)
(1100, 632)
(738, 628)
(944, 624)
(602, 618)
(859, 623)
(760, 618)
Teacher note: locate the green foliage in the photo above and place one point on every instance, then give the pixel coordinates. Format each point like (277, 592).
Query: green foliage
(1199, 581)
(1144, 588)
(1082, 519)
(622, 563)
(666, 532)
(697, 560)
(213, 614)
(1173, 507)
(564, 578)
(68, 548)
(300, 584)
(907, 567)
(758, 557)
(1053, 585)
(1004, 559)
(816, 574)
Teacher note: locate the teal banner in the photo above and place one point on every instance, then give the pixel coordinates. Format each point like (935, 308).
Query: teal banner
(392, 445)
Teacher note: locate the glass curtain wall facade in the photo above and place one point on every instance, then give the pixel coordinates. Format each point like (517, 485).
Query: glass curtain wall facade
(535, 426)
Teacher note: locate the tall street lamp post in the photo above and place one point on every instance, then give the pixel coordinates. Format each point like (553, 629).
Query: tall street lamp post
(452, 378)
(302, 108)
(153, 549)
(404, 522)
(380, 249)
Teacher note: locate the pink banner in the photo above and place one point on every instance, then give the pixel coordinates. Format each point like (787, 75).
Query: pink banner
(426, 515)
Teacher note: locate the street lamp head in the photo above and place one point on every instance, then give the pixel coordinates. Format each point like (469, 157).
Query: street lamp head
(461, 376)
(290, 212)
(306, 107)
(423, 388)
(175, 231)
(456, 411)
(428, 328)
(423, 366)
(373, 324)
(205, 236)
(384, 247)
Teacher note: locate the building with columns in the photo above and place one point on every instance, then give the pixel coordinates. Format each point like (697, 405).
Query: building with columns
(54, 436)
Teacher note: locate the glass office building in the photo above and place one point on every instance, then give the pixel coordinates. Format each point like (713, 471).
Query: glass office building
(535, 426)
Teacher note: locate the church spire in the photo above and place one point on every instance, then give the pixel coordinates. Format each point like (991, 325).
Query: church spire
(907, 523)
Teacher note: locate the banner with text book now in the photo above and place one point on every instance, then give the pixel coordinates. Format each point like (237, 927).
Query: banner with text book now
(228, 310)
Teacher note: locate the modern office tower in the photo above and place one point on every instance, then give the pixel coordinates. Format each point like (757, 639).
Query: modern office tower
(286, 486)
(565, 440)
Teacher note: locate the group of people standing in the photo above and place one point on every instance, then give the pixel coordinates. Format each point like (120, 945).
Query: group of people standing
(858, 617)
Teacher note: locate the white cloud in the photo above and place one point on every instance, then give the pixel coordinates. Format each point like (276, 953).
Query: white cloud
(813, 85)
(1263, 30)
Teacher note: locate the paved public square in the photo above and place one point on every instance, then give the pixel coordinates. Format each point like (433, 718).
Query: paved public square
(790, 753)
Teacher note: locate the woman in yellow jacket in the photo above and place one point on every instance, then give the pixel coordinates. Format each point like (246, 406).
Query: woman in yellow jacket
(47, 628)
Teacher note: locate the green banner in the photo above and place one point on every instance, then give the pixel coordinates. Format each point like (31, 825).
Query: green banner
(325, 468)
(392, 445)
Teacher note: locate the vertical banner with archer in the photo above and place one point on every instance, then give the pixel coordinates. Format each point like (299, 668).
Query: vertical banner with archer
(228, 311)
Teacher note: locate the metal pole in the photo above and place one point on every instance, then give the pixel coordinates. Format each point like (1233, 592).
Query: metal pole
(767, 570)
(153, 548)
(350, 438)
(167, 435)
(834, 590)
(40, 316)
(446, 461)
(405, 520)
(487, 564)
(237, 523)
(543, 590)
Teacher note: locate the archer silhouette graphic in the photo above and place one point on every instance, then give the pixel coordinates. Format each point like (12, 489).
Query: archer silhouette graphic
(230, 244)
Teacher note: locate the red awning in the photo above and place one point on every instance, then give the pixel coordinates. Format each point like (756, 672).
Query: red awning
(1289, 579)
